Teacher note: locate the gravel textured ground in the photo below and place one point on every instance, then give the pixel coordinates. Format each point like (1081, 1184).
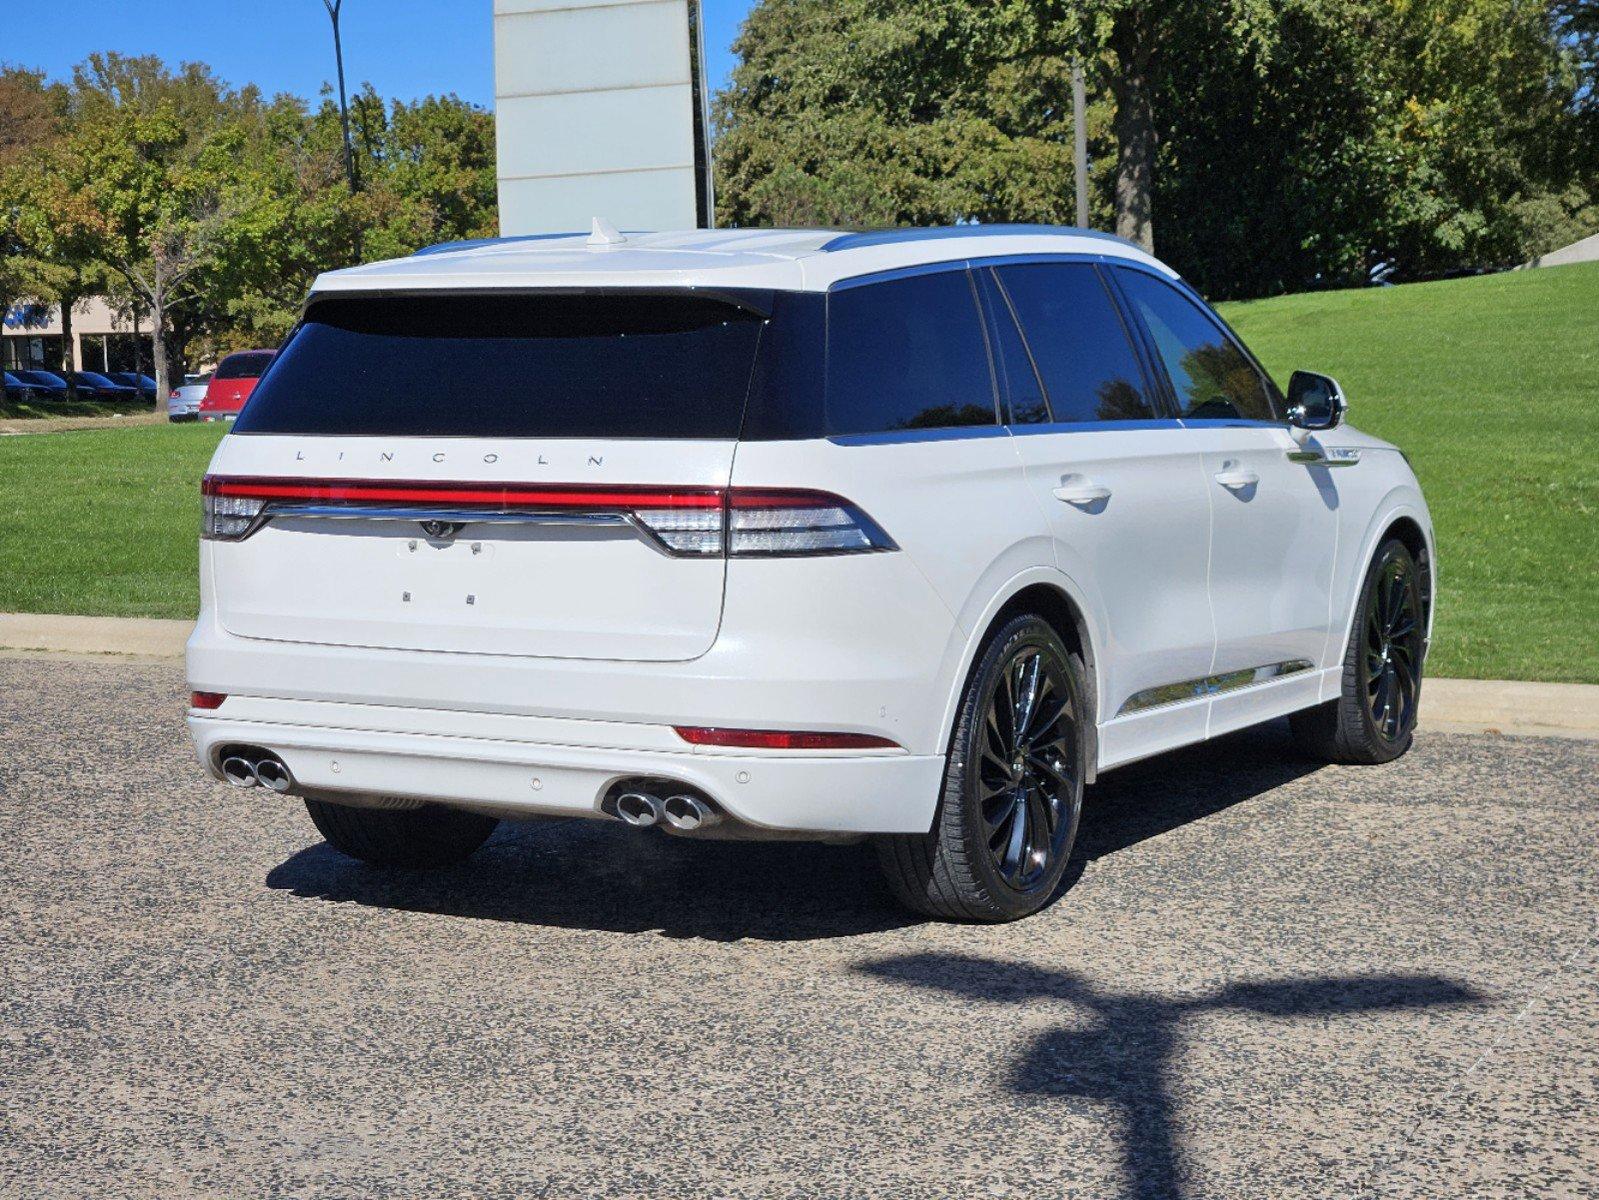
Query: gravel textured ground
(1266, 979)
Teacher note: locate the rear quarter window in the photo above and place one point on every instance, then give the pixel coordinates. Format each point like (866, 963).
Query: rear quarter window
(908, 354)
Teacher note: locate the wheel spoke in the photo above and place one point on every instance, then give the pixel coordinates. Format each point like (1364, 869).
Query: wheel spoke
(1018, 833)
(1027, 694)
(1044, 815)
(1048, 715)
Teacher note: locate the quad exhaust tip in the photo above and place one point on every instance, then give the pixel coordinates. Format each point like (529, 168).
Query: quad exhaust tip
(273, 775)
(239, 771)
(688, 813)
(638, 809)
(246, 767)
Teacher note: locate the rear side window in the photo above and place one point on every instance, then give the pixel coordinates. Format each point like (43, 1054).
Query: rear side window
(244, 366)
(551, 366)
(1089, 369)
(907, 354)
(1212, 378)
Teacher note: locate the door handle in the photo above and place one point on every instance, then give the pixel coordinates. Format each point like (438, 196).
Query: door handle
(1082, 491)
(1237, 480)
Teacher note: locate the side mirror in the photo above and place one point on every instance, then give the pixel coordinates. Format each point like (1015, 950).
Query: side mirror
(1315, 401)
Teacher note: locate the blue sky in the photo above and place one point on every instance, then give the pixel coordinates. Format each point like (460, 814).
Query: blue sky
(406, 48)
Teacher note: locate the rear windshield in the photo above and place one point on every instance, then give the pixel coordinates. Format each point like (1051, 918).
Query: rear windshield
(244, 366)
(614, 366)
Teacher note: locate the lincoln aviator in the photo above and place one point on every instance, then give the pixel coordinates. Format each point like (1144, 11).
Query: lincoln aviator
(902, 536)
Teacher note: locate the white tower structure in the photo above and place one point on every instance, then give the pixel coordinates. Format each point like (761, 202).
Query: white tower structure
(601, 110)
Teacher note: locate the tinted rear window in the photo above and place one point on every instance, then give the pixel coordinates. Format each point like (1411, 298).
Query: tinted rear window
(907, 354)
(618, 366)
(244, 366)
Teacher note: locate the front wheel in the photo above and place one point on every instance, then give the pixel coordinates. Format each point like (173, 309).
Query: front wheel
(411, 839)
(1013, 787)
(1374, 718)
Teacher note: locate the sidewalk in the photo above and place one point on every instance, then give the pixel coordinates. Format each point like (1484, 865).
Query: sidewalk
(1447, 705)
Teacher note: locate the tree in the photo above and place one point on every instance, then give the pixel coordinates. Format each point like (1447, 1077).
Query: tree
(1298, 142)
(147, 179)
(30, 117)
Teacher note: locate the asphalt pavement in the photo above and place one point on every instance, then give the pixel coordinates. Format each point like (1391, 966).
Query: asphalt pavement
(1266, 978)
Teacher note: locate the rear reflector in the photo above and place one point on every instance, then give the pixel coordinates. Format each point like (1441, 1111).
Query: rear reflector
(684, 521)
(206, 699)
(769, 739)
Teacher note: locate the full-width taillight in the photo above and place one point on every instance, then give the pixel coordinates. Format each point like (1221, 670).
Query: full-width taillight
(684, 521)
(778, 739)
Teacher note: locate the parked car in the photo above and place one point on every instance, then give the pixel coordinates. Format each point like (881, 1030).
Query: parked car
(50, 384)
(231, 385)
(22, 391)
(184, 402)
(91, 385)
(142, 384)
(906, 535)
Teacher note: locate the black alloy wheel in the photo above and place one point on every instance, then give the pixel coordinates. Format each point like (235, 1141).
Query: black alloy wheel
(1013, 785)
(1392, 663)
(1374, 718)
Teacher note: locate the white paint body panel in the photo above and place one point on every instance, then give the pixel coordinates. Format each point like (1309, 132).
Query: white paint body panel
(587, 654)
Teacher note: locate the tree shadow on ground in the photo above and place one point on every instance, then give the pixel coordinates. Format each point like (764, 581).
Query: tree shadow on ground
(606, 876)
(1123, 1055)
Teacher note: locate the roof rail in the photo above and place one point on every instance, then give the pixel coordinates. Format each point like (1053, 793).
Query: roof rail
(476, 243)
(889, 237)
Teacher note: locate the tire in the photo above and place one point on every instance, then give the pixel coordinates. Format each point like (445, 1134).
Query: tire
(1005, 827)
(409, 839)
(1374, 718)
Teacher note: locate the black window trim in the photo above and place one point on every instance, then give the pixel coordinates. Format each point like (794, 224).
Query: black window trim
(1274, 398)
(993, 295)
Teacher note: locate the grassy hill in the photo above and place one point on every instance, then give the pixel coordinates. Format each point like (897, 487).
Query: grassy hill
(1491, 385)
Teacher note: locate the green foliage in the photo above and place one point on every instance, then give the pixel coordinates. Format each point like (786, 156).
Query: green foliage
(211, 210)
(1299, 143)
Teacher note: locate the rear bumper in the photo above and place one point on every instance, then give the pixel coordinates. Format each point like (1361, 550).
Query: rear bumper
(562, 767)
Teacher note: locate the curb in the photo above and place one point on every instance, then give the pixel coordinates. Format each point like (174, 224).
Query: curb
(1569, 710)
(139, 637)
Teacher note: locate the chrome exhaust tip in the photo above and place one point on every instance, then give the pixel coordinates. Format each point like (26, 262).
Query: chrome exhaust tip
(689, 813)
(638, 809)
(240, 772)
(273, 775)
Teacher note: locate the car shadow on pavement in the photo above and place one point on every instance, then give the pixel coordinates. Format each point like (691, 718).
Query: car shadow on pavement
(606, 876)
(1120, 1049)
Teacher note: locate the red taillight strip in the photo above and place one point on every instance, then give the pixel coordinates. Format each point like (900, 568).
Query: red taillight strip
(513, 495)
(561, 496)
(771, 739)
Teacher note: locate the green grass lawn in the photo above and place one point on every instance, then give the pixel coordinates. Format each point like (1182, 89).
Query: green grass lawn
(103, 522)
(1491, 385)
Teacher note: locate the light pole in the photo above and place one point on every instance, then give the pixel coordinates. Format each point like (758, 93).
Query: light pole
(333, 7)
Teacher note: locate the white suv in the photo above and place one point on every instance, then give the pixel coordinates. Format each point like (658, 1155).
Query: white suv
(787, 534)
